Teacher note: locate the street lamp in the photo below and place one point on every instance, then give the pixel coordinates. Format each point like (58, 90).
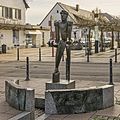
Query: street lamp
(86, 41)
(96, 16)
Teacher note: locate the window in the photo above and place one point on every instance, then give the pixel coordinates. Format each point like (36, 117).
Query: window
(6, 12)
(10, 13)
(19, 14)
(16, 13)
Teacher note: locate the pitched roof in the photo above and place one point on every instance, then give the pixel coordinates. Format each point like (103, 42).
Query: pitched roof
(81, 16)
(86, 18)
(26, 5)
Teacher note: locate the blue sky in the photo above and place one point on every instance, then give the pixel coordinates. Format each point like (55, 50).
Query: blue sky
(39, 8)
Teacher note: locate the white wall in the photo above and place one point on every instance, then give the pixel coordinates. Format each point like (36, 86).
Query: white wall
(7, 37)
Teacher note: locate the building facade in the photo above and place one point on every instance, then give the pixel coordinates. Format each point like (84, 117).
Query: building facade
(12, 21)
(13, 28)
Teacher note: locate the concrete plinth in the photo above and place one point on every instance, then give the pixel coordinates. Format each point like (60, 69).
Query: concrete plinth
(63, 84)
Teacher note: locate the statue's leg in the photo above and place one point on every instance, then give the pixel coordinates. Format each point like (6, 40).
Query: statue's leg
(59, 54)
(68, 60)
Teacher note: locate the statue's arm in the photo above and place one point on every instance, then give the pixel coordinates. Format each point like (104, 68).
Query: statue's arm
(57, 36)
(70, 24)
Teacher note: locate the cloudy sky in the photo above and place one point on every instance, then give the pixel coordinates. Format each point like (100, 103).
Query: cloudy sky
(39, 8)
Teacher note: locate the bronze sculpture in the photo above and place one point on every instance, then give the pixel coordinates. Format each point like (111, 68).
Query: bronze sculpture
(63, 31)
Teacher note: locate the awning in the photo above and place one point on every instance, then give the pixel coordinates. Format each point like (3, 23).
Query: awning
(36, 32)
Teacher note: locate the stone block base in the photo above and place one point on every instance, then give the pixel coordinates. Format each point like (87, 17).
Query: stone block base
(63, 84)
(73, 101)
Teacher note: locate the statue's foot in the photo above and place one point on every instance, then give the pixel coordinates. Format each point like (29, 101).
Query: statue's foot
(56, 70)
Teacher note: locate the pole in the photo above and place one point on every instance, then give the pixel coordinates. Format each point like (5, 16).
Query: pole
(88, 52)
(18, 53)
(115, 55)
(112, 42)
(39, 53)
(111, 74)
(27, 68)
(89, 42)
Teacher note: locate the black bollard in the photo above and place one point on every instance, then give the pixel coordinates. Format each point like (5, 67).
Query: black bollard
(115, 55)
(39, 54)
(88, 53)
(111, 74)
(18, 54)
(27, 68)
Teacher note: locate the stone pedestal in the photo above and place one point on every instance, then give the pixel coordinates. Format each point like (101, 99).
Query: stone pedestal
(63, 84)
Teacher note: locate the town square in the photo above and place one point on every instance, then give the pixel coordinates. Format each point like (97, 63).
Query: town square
(60, 60)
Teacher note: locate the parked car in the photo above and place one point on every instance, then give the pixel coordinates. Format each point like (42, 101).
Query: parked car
(107, 42)
(85, 42)
(76, 45)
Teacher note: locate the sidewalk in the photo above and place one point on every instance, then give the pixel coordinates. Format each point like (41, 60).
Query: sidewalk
(46, 55)
(7, 112)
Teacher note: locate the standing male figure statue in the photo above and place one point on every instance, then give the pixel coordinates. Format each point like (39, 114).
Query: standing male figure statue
(63, 30)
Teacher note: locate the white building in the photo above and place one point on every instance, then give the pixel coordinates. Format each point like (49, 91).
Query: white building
(76, 15)
(12, 22)
(13, 28)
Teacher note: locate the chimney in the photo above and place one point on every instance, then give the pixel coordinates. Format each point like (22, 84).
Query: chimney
(77, 7)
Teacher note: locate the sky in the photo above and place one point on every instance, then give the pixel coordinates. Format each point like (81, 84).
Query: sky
(40, 8)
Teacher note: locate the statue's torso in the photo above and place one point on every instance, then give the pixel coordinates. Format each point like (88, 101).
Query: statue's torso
(63, 31)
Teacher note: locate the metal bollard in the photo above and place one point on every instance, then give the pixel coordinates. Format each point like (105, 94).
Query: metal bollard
(111, 74)
(39, 54)
(88, 53)
(18, 54)
(115, 55)
(27, 68)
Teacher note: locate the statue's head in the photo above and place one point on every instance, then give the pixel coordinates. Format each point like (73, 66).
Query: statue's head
(64, 15)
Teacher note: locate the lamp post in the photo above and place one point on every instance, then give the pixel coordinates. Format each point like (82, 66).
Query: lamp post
(86, 42)
(96, 16)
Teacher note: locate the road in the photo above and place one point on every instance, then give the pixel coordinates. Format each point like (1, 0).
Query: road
(79, 71)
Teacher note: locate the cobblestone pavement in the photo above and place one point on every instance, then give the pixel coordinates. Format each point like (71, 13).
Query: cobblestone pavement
(7, 112)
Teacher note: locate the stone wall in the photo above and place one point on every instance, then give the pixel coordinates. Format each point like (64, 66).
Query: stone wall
(20, 98)
(79, 100)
